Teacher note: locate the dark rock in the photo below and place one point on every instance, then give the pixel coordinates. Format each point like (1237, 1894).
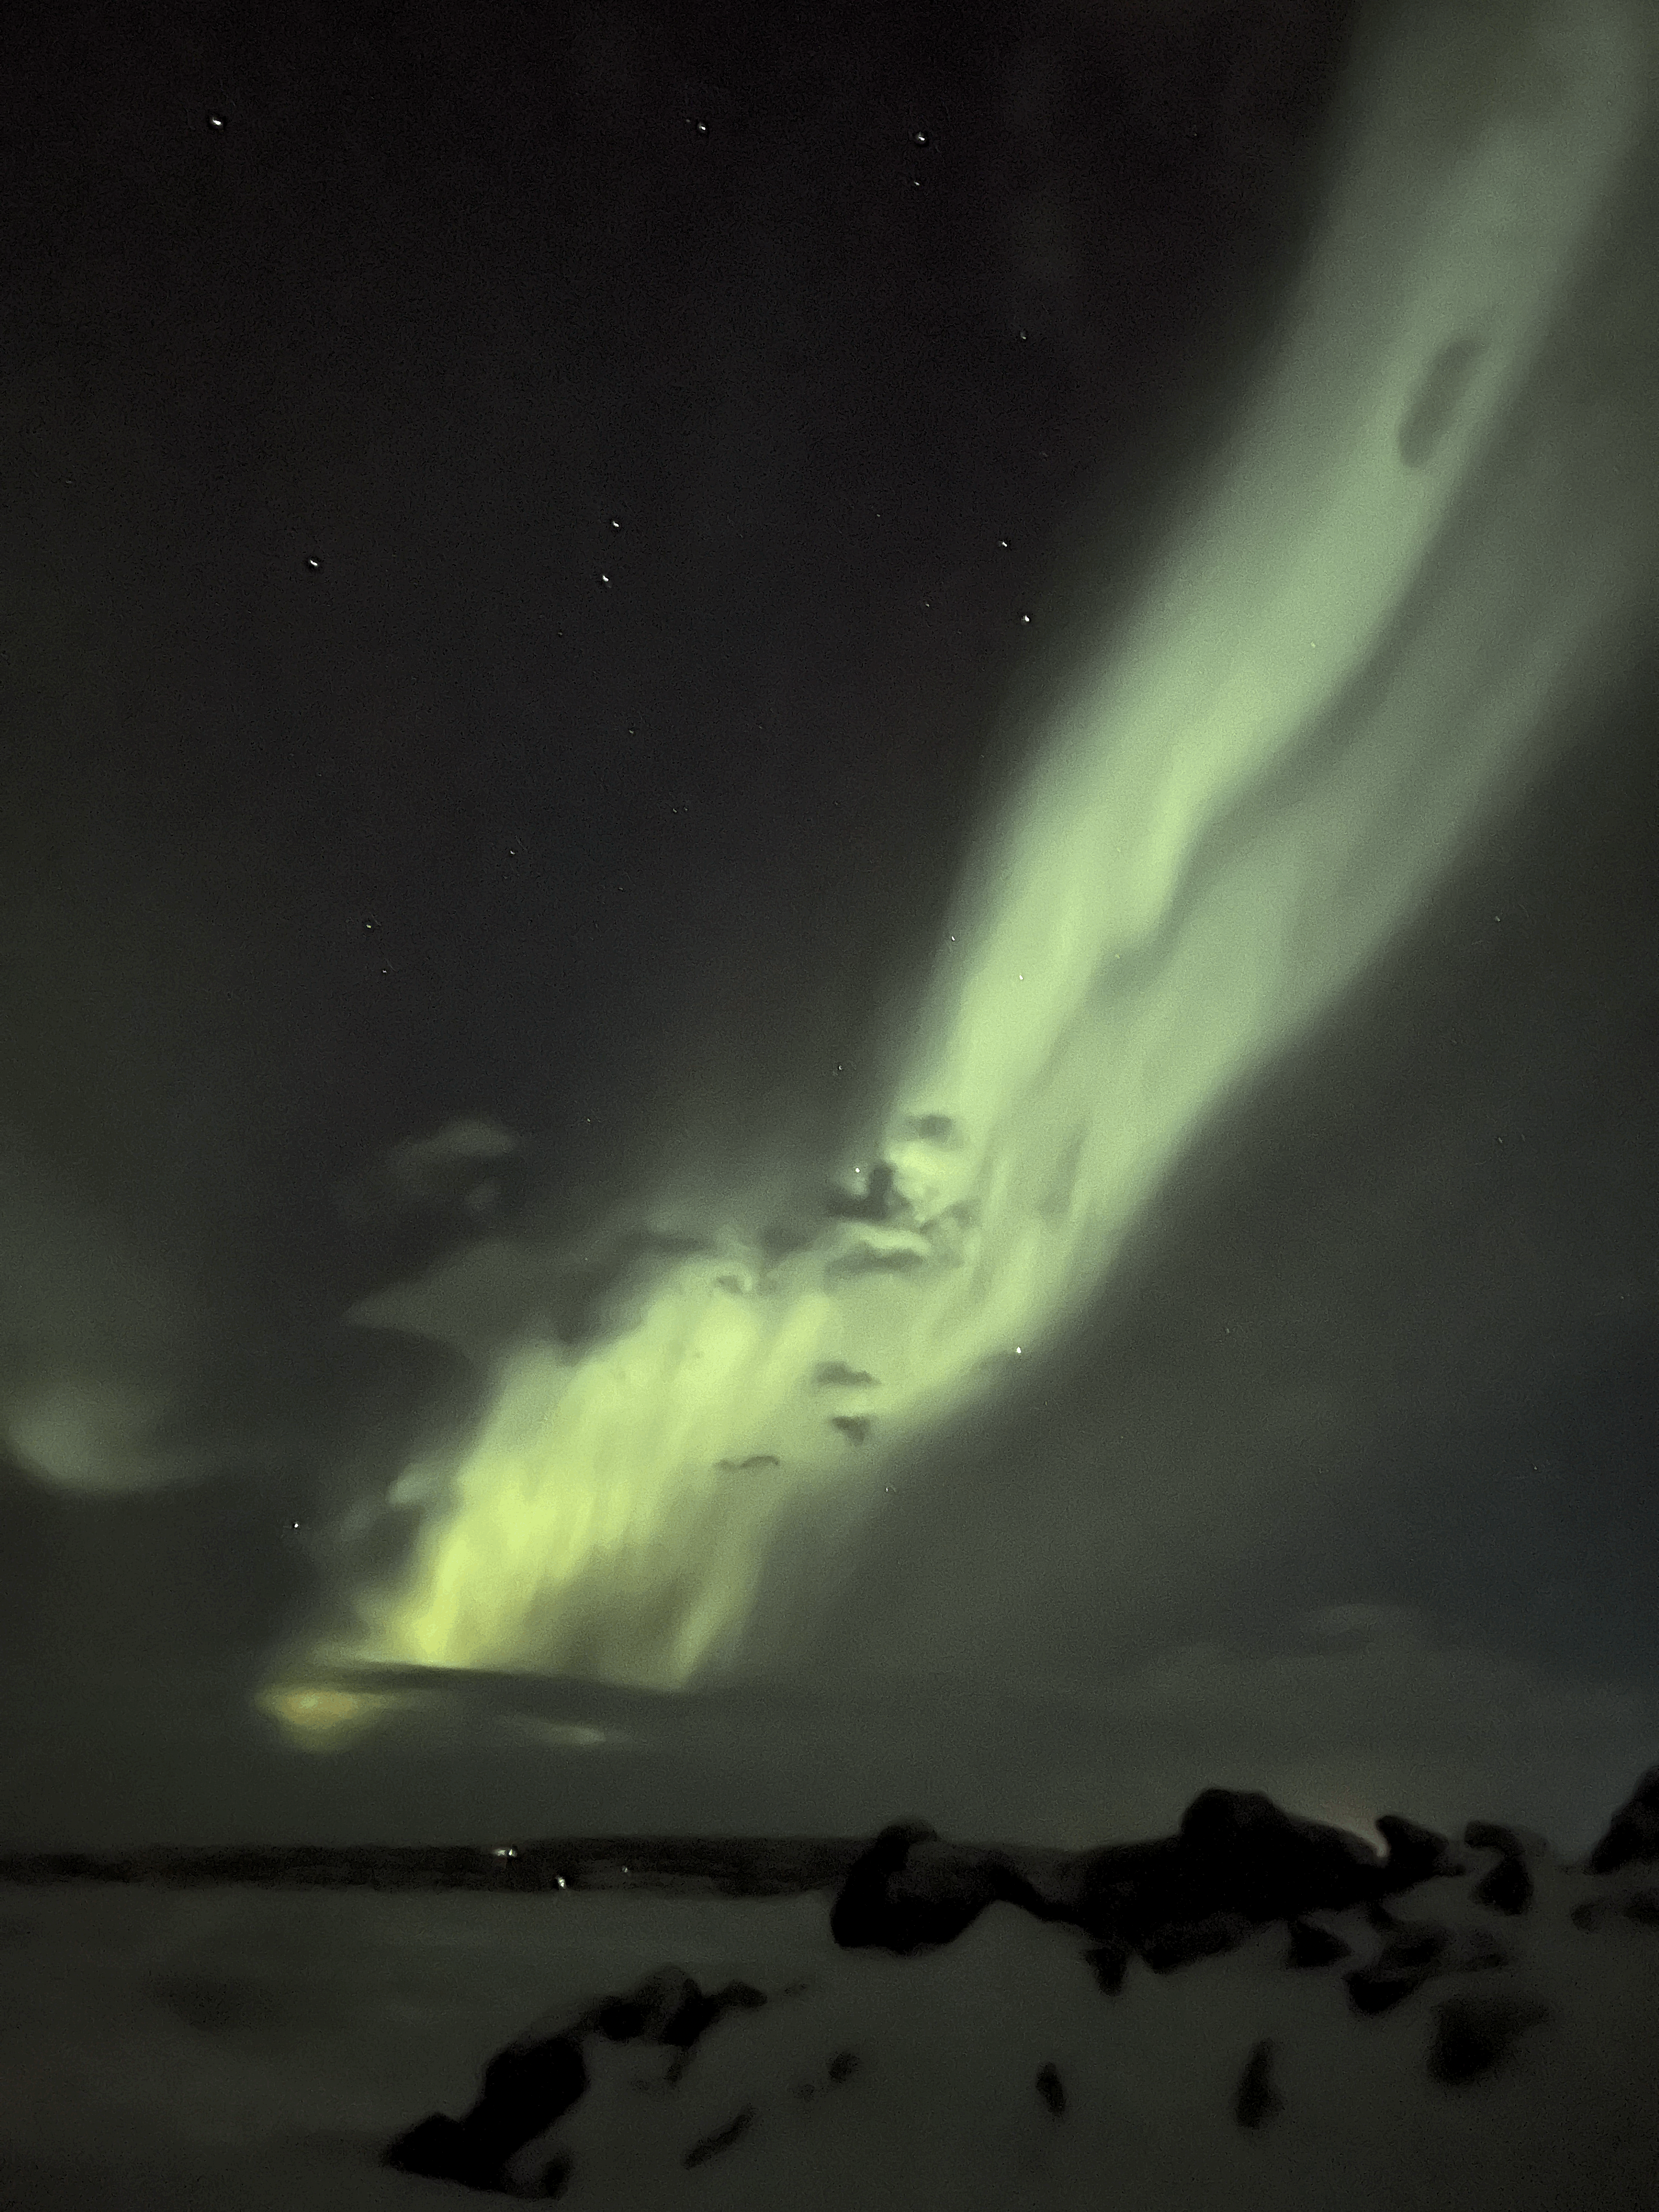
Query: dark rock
(1372, 1990)
(1052, 2089)
(1164, 1949)
(910, 1892)
(1238, 1862)
(1121, 1889)
(1313, 1947)
(1108, 1963)
(861, 1916)
(555, 2176)
(1413, 1954)
(1421, 1943)
(1416, 1854)
(1506, 1887)
(526, 2088)
(626, 2019)
(722, 2139)
(442, 2149)
(1474, 2034)
(1256, 2100)
(1508, 1843)
(530, 2085)
(1642, 1907)
(1632, 1838)
(667, 2007)
(1239, 1850)
(698, 2011)
(841, 2067)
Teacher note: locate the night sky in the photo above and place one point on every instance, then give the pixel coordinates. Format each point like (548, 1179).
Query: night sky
(529, 538)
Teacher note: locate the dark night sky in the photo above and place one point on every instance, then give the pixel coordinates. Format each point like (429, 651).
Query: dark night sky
(514, 529)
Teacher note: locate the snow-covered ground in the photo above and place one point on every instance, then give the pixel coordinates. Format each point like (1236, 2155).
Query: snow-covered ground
(246, 2047)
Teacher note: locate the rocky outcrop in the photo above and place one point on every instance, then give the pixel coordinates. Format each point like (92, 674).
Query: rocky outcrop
(1237, 1865)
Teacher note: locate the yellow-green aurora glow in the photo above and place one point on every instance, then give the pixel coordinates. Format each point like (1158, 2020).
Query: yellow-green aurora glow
(1405, 553)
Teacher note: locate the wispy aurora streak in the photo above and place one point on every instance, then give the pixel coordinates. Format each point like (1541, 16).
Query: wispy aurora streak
(1356, 634)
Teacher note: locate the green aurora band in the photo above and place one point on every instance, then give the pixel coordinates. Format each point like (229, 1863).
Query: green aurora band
(1422, 538)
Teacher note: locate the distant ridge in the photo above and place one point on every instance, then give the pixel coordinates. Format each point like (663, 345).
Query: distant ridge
(727, 1866)
(736, 1866)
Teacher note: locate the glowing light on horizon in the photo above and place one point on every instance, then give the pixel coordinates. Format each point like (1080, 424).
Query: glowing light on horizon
(1346, 655)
